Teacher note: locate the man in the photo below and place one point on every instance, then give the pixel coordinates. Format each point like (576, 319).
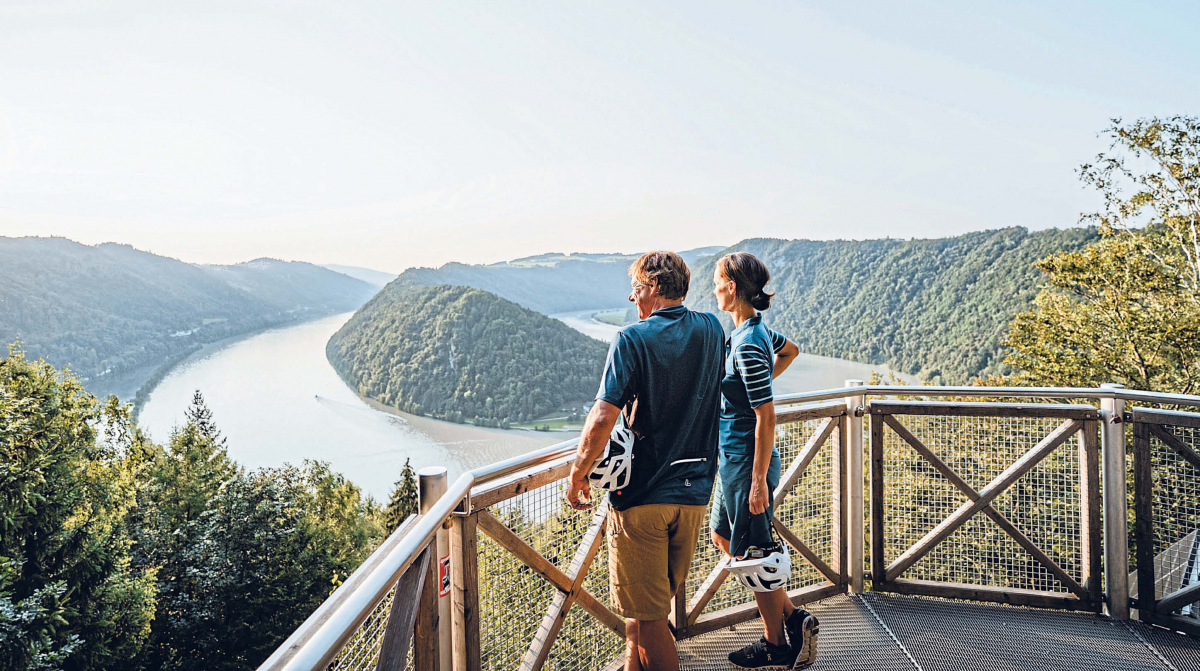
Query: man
(663, 374)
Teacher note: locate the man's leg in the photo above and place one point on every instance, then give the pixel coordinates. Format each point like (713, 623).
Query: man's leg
(650, 646)
(633, 655)
(638, 570)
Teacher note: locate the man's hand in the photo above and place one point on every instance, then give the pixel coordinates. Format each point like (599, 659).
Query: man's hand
(596, 427)
(759, 496)
(579, 492)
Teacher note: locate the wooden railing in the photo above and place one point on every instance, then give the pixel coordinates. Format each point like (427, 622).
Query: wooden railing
(1072, 479)
(984, 501)
(1166, 474)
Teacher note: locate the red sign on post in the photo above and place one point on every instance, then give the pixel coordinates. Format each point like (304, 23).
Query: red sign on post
(444, 576)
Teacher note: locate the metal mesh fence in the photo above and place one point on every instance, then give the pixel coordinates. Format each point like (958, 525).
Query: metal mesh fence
(806, 511)
(1176, 515)
(513, 599)
(1044, 503)
(361, 653)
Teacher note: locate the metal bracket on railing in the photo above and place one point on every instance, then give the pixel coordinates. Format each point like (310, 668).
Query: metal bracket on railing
(463, 509)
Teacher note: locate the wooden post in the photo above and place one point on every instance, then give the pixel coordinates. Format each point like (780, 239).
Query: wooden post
(855, 407)
(428, 651)
(464, 592)
(1116, 542)
(878, 565)
(406, 603)
(1143, 520)
(837, 503)
(426, 646)
(1091, 543)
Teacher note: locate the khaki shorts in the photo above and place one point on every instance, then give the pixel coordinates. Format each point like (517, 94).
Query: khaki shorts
(650, 549)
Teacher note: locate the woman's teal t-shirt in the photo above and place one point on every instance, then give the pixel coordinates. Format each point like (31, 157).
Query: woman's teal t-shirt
(749, 367)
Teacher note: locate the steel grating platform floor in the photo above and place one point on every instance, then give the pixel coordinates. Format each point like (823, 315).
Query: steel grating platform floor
(882, 632)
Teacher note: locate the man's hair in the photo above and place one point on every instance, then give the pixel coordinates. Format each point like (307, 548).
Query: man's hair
(666, 269)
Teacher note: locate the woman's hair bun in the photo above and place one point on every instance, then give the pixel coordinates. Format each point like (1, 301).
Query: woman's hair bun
(761, 300)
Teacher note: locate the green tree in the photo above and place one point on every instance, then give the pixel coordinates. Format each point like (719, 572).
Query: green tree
(404, 498)
(69, 596)
(1126, 308)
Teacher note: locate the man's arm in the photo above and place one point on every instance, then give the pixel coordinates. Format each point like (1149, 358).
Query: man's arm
(596, 431)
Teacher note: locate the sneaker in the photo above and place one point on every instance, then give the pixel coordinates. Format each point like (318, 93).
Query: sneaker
(802, 628)
(762, 655)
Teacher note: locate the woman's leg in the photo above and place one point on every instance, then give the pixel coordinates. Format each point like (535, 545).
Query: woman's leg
(720, 541)
(774, 607)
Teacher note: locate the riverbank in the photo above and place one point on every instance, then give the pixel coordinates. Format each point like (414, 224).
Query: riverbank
(494, 444)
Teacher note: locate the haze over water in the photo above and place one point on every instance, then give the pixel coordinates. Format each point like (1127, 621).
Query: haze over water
(277, 400)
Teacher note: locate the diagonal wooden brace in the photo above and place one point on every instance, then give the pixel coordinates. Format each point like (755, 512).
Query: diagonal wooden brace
(556, 614)
(805, 551)
(997, 517)
(985, 498)
(1164, 434)
(518, 548)
(807, 453)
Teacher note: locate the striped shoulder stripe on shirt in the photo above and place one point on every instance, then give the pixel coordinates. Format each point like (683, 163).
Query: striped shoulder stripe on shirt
(777, 341)
(754, 365)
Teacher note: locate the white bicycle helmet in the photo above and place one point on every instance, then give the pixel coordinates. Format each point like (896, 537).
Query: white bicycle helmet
(612, 470)
(763, 569)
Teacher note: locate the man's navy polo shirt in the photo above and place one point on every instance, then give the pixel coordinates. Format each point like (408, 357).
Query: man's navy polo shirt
(664, 372)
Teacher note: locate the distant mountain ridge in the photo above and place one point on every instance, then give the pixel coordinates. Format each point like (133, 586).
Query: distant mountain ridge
(935, 308)
(459, 353)
(114, 314)
(547, 283)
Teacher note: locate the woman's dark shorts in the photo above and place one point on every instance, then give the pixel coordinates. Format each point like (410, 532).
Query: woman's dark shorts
(731, 518)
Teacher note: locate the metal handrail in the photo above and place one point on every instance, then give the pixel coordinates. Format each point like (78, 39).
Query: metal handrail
(319, 639)
(991, 392)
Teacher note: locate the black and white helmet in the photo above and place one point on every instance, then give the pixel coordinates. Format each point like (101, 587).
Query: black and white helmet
(763, 569)
(612, 470)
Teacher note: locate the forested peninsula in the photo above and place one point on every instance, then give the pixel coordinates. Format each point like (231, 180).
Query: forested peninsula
(459, 353)
(936, 308)
(114, 314)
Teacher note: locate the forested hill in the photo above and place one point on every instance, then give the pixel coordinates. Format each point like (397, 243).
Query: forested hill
(935, 308)
(115, 314)
(548, 283)
(459, 353)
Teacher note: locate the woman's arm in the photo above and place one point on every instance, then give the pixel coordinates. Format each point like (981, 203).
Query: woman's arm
(784, 358)
(764, 444)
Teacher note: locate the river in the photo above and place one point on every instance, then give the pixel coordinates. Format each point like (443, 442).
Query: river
(276, 399)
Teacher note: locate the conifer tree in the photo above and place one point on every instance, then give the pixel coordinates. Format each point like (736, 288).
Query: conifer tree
(404, 497)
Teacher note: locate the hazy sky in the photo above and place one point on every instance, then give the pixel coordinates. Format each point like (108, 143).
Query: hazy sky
(389, 134)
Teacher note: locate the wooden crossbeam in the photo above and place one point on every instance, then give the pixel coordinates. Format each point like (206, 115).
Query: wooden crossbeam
(997, 517)
(707, 590)
(556, 614)
(986, 496)
(1179, 599)
(805, 551)
(1164, 434)
(807, 453)
(518, 548)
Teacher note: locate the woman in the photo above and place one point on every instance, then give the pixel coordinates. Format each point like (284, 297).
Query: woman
(749, 467)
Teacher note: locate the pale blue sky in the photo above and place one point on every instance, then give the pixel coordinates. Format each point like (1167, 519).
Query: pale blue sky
(389, 134)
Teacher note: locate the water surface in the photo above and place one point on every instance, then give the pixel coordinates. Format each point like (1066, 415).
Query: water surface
(276, 399)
